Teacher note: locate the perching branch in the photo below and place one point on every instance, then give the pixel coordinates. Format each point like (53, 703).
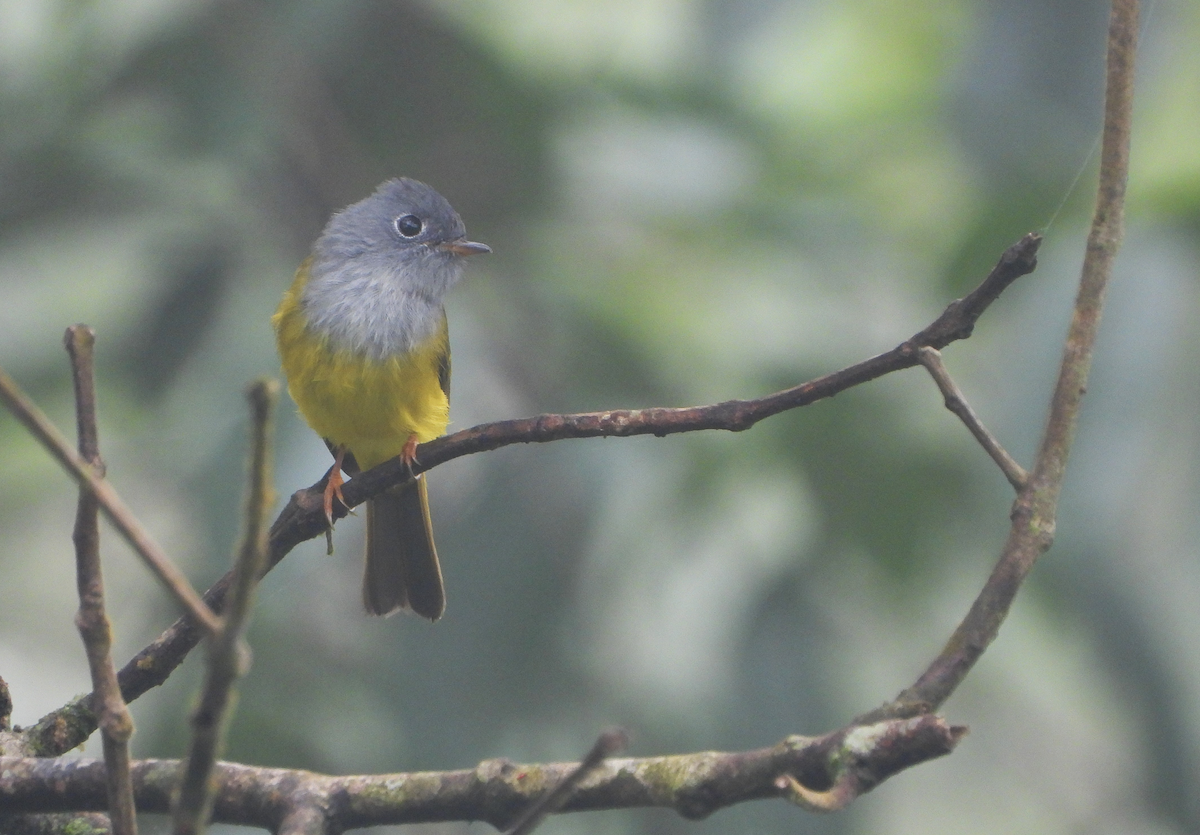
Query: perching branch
(694, 785)
(956, 322)
(303, 518)
(116, 725)
(1033, 515)
(227, 658)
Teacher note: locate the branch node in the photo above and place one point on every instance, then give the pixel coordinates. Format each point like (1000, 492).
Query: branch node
(839, 796)
(303, 517)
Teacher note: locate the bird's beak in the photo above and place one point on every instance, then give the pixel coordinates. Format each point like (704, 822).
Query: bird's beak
(464, 247)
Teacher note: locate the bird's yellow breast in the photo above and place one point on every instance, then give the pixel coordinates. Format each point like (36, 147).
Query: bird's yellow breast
(371, 406)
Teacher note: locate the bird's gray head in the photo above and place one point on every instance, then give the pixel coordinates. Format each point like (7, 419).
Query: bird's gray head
(404, 224)
(381, 267)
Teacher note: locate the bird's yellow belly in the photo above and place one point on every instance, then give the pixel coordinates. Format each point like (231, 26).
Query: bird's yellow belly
(370, 406)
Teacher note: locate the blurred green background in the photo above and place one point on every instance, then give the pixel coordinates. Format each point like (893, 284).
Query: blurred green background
(688, 201)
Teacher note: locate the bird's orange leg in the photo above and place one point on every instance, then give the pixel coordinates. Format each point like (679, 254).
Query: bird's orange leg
(409, 454)
(333, 485)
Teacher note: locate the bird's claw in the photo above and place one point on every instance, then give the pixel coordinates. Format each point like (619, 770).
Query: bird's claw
(333, 489)
(408, 455)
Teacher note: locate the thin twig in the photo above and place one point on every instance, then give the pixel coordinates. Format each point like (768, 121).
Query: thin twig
(6, 706)
(303, 518)
(227, 658)
(496, 791)
(931, 358)
(1033, 516)
(608, 743)
(116, 725)
(111, 505)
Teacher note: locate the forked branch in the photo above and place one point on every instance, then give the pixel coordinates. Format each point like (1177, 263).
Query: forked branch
(1033, 514)
(821, 774)
(303, 518)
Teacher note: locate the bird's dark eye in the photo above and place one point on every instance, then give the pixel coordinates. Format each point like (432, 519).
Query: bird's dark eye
(409, 226)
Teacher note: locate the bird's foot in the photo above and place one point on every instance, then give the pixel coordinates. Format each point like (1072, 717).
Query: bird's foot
(333, 487)
(408, 455)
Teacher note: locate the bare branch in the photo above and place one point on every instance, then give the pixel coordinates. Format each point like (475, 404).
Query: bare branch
(303, 518)
(931, 358)
(227, 658)
(956, 322)
(1033, 516)
(496, 791)
(116, 725)
(110, 502)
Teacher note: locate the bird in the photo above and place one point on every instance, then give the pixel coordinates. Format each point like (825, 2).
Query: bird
(364, 344)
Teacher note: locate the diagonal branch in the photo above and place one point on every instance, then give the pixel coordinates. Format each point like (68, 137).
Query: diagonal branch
(111, 504)
(956, 322)
(303, 518)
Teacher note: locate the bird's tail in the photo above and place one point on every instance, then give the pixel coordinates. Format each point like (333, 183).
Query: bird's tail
(402, 564)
